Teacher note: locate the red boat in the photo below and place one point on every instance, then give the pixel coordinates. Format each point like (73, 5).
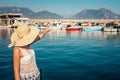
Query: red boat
(72, 28)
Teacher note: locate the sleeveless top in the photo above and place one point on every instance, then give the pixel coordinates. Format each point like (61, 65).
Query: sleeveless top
(28, 67)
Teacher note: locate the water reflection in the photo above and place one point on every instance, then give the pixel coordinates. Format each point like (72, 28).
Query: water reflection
(97, 34)
(5, 33)
(54, 34)
(112, 38)
(63, 33)
(5, 36)
(111, 35)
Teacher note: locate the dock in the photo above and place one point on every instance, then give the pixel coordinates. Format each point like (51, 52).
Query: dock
(76, 20)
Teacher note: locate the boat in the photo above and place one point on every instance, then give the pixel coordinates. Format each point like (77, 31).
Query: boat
(55, 25)
(69, 27)
(92, 28)
(72, 28)
(117, 27)
(109, 29)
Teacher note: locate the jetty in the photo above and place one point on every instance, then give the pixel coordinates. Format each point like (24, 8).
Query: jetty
(76, 20)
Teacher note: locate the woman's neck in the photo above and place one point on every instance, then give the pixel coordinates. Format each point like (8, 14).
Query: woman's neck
(25, 47)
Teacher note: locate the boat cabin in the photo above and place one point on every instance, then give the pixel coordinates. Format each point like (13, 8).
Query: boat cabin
(55, 25)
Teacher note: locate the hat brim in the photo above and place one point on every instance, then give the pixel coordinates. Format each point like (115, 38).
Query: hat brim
(27, 39)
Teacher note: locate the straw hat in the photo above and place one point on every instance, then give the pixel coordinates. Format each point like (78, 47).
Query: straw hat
(23, 35)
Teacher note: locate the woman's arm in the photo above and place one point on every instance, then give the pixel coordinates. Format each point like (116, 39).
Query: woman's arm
(42, 34)
(16, 59)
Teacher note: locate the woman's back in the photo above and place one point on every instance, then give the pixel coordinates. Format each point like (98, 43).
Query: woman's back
(28, 67)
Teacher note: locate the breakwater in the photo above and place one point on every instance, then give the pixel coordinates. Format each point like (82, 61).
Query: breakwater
(77, 20)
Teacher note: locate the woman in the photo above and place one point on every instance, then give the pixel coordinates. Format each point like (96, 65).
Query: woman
(25, 67)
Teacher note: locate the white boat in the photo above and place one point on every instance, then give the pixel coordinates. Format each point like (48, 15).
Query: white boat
(55, 25)
(109, 29)
(40, 27)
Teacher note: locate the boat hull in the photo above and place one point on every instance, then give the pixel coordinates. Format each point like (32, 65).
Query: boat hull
(92, 29)
(109, 29)
(69, 29)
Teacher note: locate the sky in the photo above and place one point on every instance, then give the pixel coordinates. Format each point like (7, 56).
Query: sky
(63, 7)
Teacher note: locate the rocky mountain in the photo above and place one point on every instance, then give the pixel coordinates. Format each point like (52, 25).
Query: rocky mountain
(84, 14)
(47, 15)
(29, 13)
(96, 14)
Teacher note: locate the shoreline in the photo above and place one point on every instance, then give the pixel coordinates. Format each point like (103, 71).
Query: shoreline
(76, 20)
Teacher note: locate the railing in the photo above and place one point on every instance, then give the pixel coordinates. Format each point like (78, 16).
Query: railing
(40, 69)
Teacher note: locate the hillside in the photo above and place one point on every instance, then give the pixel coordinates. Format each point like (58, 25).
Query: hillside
(29, 13)
(96, 14)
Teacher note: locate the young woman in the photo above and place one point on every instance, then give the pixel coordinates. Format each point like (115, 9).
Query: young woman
(25, 67)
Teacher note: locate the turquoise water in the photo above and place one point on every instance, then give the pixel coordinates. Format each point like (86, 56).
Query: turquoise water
(72, 55)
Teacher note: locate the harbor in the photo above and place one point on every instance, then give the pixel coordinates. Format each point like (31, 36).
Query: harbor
(75, 48)
(76, 20)
(10, 20)
(59, 40)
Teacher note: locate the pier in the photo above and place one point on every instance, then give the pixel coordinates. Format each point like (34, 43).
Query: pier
(76, 20)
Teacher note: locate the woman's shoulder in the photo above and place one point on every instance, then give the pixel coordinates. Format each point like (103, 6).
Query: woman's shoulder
(17, 51)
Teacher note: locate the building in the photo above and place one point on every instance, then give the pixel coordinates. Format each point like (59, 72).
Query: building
(10, 18)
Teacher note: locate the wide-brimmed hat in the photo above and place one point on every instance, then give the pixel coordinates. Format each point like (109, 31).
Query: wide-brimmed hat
(23, 35)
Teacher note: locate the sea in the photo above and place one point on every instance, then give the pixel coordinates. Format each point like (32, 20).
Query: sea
(69, 55)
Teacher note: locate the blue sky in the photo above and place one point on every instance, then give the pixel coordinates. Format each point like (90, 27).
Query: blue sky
(64, 7)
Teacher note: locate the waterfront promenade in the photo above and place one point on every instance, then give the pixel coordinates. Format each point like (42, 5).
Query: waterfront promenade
(76, 20)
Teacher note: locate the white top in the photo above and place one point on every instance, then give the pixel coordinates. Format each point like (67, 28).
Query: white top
(28, 67)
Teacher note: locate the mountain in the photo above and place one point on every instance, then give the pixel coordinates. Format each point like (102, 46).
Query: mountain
(47, 15)
(96, 14)
(84, 14)
(29, 13)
